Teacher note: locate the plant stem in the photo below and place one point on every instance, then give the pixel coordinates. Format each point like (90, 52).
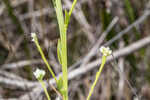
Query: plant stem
(63, 24)
(63, 38)
(45, 90)
(73, 5)
(97, 76)
(64, 66)
(44, 58)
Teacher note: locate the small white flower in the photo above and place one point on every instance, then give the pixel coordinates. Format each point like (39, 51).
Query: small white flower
(39, 74)
(105, 50)
(33, 35)
(135, 98)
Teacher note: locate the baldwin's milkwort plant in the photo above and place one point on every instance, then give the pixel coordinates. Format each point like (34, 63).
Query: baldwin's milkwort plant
(62, 82)
(106, 52)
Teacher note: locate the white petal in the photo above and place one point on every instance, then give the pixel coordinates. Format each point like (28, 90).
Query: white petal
(33, 35)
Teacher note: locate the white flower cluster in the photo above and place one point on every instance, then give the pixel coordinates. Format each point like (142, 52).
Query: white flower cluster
(39, 74)
(105, 51)
(33, 35)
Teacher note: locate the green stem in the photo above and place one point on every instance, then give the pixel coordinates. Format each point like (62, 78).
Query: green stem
(73, 5)
(45, 90)
(97, 76)
(64, 66)
(63, 38)
(63, 24)
(44, 58)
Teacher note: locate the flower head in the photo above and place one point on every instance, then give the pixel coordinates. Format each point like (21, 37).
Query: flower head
(105, 50)
(33, 35)
(39, 74)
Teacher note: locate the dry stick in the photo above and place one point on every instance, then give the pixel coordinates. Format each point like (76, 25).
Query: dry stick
(11, 75)
(33, 20)
(58, 93)
(121, 63)
(119, 70)
(22, 63)
(9, 99)
(99, 42)
(18, 83)
(80, 71)
(37, 13)
(15, 77)
(125, 31)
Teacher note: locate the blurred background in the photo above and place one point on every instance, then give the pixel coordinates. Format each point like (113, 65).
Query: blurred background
(123, 25)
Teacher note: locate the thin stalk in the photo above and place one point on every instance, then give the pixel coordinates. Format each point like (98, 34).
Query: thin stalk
(44, 58)
(45, 90)
(73, 5)
(97, 76)
(64, 66)
(125, 78)
(63, 24)
(63, 38)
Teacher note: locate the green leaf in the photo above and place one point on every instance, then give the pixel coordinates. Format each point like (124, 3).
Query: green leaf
(60, 17)
(67, 17)
(60, 83)
(63, 91)
(59, 51)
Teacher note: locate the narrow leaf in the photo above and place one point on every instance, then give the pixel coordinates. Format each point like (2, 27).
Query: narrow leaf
(66, 18)
(59, 51)
(60, 83)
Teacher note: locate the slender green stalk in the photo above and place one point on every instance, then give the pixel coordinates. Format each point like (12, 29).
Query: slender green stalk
(97, 76)
(45, 90)
(63, 24)
(63, 43)
(44, 58)
(73, 5)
